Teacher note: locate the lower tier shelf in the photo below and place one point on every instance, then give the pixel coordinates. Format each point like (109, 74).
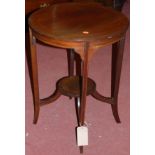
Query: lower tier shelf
(72, 86)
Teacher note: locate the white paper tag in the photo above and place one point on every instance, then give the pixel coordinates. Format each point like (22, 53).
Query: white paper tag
(82, 136)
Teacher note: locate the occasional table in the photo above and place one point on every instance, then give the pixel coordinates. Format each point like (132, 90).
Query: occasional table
(84, 27)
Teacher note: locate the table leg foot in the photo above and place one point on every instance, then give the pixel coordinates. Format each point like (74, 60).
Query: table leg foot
(115, 112)
(36, 114)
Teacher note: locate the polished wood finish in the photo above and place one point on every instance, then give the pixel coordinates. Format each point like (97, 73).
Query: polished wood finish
(71, 86)
(117, 57)
(108, 28)
(84, 83)
(71, 56)
(34, 75)
(69, 26)
(51, 98)
(99, 97)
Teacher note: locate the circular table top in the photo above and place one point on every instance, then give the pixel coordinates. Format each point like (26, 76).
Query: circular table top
(78, 22)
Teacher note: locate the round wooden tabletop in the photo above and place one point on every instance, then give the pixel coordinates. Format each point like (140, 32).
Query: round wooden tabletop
(78, 22)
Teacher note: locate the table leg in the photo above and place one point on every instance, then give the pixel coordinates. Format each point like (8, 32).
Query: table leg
(78, 65)
(35, 85)
(84, 84)
(117, 57)
(84, 88)
(77, 109)
(70, 55)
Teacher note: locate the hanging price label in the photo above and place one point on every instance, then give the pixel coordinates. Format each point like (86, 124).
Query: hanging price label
(82, 136)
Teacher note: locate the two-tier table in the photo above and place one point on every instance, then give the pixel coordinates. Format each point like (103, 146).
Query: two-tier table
(84, 27)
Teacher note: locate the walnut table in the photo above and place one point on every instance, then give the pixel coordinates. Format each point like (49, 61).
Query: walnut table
(84, 27)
